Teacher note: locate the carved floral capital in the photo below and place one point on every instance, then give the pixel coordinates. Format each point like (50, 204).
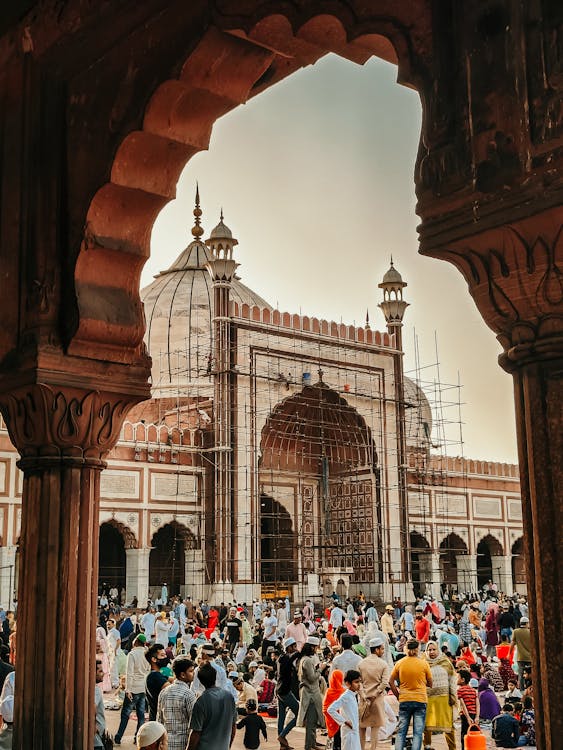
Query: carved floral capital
(515, 276)
(49, 423)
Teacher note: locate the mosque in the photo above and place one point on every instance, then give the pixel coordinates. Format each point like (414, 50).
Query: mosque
(282, 454)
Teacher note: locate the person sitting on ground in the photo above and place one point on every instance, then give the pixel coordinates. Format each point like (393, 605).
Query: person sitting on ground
(488, 702)
(253, 725)
(527, 724)
(513, 694)
(505, 729)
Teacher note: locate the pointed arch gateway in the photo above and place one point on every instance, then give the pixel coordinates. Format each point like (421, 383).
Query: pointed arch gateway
(488, 548)
(419, 546)
(167, 560)
(317, 460)
(114, 539)
(450, 547)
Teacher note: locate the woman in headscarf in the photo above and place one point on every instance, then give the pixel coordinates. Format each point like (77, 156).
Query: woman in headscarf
(334, 691)
(492, 630)
(488, 702)
(310, 700)
(441, 696)
(102, 651)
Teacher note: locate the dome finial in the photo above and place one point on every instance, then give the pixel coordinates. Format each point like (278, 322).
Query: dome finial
(392, 260)
(221, 217)
(197, 229)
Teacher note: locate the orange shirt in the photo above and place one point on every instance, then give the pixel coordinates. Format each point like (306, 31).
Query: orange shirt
(422, 628)
(412, 674)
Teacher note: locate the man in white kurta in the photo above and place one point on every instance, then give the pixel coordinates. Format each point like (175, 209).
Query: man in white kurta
(344, 711)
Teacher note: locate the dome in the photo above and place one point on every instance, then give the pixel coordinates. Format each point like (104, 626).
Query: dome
(221, 231)
(178, 310)
(392, 276)
(418, 416)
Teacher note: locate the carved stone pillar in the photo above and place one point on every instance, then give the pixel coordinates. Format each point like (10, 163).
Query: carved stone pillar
(62, 434)
(515, 276)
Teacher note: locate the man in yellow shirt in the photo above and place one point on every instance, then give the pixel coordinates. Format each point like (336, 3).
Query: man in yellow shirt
(410, 678)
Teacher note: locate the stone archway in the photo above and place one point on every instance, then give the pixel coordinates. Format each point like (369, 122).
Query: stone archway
(115, 539)
(450, 547)
(317, 436)
(167, 561)
(518, 565)
(489, 194)
(278, 550)
(418, 547)
(488, 548)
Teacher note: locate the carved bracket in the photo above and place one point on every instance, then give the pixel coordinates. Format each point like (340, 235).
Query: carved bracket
(515, 276)
(48, 423)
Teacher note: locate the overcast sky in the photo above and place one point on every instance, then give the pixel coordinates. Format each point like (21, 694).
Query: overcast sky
(315, 177)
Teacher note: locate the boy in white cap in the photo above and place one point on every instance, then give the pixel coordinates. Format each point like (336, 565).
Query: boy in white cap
(152, 736)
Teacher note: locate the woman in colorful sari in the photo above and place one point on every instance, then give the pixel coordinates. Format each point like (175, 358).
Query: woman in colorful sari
(441, 697)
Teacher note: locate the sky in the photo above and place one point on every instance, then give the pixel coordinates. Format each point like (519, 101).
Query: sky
(315, 177)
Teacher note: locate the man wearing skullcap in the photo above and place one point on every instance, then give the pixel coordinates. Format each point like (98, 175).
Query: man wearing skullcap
(375, 678)
(152, 736)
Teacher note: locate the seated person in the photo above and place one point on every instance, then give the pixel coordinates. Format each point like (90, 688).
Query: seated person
(527, 724)
(506, 730)
(513, 694)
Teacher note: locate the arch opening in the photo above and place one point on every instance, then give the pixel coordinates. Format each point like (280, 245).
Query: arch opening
(315, 437)
(277, 547)
(518, 564)
(112, 559)
(450, 547)
(488, 548)
(167, 560)
(419, 549)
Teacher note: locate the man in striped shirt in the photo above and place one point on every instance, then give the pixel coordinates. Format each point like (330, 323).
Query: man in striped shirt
(175, 704)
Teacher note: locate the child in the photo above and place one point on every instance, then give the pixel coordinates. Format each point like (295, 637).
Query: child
(506, 730)
(513, 695)
(253, 725)
(468, 702)
(344, 710)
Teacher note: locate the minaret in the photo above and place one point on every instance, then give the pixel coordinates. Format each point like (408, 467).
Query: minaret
(393, 307)
(222, 269)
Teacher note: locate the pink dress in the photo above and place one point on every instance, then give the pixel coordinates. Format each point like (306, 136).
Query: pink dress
(103, 645)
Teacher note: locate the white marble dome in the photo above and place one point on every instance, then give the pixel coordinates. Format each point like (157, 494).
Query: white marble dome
(178, 310)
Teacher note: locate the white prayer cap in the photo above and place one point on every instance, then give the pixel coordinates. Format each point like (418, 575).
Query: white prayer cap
(289, 642)
(313, 641)
(150, 732)
(375, 642)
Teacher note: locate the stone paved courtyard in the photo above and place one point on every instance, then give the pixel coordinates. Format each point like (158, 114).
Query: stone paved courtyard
(296, 737)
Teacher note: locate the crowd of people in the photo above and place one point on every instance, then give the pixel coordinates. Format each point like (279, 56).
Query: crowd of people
(351, 675)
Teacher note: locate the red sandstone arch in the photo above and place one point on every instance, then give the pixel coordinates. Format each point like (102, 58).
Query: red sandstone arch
(225, 69)
(129, 538)
(312, 423)
(495, 547)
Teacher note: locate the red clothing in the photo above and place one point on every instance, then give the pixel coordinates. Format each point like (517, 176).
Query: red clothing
(467, 655)
(469, 696)
(334, 691)
(266, 691)
(503, 650)
(422, 629)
